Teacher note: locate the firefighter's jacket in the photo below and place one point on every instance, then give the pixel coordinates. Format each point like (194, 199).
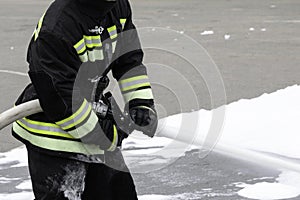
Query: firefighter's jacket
(67, 50)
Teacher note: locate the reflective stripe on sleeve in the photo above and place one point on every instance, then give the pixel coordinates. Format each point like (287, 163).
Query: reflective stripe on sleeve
(79, 116)
(134, 83)
(138, 94)
(57, 144)
(86, 128)
(127, 80)
(55, 130)
(43, 128)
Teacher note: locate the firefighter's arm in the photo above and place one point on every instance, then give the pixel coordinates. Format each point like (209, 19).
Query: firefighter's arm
(53, 71)
(133, 80)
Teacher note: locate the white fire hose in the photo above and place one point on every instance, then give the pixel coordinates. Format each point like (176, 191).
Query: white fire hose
(19, 112)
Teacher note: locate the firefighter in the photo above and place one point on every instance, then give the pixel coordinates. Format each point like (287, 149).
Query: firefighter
(73, 145)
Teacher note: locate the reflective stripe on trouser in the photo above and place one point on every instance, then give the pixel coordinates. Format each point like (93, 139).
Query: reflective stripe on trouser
(56, 144)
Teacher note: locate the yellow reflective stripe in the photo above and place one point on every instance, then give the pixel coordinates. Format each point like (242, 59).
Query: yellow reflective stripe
(74, 115)
(115, 140)
(92, 41)
(41, 123)
(80, 46)
(134, 82)
(135, 86)
(88, 41)
(123, 22)
(86, 128)
(45, 132)
(55, 130)
(112, 32)
(38, 29)
(57, 144)
(138, 94)
(81, 119)
(68, 122)
(133, 79)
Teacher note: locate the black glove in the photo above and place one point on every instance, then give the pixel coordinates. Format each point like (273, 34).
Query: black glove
(144, 116)
(107, 125)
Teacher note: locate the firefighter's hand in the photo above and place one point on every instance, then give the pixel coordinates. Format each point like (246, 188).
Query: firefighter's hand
(144, 118)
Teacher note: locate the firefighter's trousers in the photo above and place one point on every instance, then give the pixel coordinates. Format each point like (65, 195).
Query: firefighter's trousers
(58, 178)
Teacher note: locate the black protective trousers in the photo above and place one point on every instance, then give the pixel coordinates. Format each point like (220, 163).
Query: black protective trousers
(58, 178)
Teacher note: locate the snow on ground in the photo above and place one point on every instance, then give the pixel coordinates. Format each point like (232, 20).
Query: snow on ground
(267, 125)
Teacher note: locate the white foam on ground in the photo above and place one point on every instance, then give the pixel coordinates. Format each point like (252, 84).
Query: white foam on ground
(155, 197)
(14, 158)
(17, 196)
(227, 36)
(210, 32)
(269, 191)
(182, 196)
(25, 185)
(7, 180)
(287, 186)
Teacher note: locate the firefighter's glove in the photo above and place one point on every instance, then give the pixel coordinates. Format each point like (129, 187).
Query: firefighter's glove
(144, 118)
